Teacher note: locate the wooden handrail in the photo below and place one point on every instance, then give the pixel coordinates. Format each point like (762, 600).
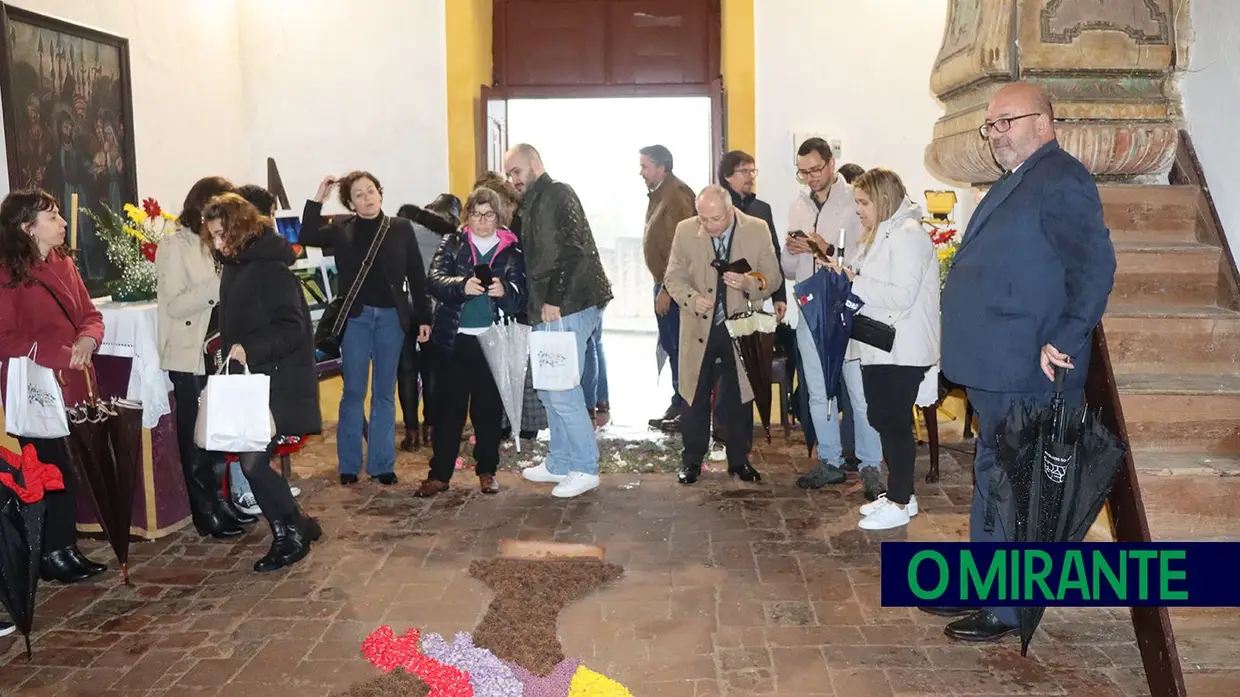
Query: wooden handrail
(1152, 625)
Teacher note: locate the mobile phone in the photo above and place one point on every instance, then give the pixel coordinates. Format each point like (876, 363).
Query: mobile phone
(797, 233)
(482, 272)
(740, 266)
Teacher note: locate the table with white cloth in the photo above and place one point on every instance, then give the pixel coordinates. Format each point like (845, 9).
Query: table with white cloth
(127, 364)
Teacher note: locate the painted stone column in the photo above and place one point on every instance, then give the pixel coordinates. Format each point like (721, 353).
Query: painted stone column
(1108, 66)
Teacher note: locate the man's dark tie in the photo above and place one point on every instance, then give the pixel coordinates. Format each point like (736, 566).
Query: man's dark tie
(721, 292)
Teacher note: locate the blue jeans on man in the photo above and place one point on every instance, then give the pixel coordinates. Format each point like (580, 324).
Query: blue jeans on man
(373, 338)
(574, 447)
(991, 407)
(669, 341)
(594, 373)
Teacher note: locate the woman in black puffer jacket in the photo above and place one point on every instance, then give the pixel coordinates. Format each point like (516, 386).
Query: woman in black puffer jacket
(466, 309)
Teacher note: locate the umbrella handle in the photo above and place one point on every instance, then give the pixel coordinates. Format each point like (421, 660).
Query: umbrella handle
(1060, 374)
(91, 394)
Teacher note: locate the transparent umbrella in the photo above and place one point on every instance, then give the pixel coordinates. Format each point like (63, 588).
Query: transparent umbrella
(506, 347)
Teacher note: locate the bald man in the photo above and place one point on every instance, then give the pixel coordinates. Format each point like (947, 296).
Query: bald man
(1028, 285)
(706, 295)
(568, 290)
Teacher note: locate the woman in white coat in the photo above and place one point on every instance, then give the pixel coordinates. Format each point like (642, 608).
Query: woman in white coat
(896, 274)
(188, 289)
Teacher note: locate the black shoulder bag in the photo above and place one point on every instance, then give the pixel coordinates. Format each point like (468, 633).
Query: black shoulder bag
(329, 333)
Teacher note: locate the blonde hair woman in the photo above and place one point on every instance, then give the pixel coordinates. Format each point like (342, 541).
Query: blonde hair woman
(895, 272)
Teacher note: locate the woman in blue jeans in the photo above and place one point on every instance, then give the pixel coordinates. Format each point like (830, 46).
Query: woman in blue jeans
(384, 296)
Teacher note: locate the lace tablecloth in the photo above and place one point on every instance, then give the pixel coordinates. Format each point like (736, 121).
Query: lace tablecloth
(130, 332)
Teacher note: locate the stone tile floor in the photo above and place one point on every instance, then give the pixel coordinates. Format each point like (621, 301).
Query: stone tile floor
(729, 589)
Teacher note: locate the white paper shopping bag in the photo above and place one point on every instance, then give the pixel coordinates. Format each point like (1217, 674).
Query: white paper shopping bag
(553, 361)
(34, 406)
(234, 414)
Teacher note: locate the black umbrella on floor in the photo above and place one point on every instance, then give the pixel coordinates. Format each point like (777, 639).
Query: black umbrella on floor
(1057, 466)
(23, 481)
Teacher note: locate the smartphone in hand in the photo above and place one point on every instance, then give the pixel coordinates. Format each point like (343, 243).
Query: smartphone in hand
(483, 273)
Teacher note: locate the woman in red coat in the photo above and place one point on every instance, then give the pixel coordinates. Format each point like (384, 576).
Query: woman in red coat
(45, 307)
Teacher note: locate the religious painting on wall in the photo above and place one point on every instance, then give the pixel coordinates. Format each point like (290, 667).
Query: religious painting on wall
(68, 123)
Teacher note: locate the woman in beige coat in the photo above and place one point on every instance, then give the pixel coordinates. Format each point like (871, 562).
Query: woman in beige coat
(188, 289)
(718, 233)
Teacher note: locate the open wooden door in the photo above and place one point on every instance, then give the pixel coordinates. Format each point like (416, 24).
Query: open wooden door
(718, 124)
(492, 131)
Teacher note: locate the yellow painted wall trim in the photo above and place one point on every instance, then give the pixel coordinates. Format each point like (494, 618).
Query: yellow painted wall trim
(467, 30)
(737, 60)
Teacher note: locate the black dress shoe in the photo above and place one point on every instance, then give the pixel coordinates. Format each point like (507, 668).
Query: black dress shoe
(948, 611)
(689, 474)
(92, 568)
(746, 472)
(347, 479)
(57, 565)
(978, 627)
(387, 478)
(214, 523)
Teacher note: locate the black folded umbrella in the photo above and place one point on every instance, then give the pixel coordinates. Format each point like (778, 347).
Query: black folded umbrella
(105, 449)
(21, 532)
(1056, 466)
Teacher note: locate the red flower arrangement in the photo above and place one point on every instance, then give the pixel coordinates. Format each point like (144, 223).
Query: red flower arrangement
(151, 207)
(38, 477)
(942, 235)
(388, 652)
(148, 250)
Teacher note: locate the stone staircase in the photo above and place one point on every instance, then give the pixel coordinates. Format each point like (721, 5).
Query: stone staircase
(1173, 329)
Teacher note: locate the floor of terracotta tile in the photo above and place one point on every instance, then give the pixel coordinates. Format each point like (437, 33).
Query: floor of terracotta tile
(729, 589)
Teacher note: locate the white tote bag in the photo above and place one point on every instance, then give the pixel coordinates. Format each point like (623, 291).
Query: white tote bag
(234, 413)
(34, 406)
(553, 361)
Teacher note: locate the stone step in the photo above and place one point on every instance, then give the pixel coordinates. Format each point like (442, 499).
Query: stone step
(1173, 273)
(1137, 213)
(1182, 412)
(1172, 339)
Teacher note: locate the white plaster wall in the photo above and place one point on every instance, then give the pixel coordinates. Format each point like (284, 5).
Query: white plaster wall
(858, 72)
(187, 102)
(1211, 92)
(333, 86)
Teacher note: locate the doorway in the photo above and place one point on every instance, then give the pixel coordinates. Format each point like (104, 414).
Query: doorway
(592, 145)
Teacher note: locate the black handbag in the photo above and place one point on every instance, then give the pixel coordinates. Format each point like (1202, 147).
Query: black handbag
(329, 333)
(872, 332)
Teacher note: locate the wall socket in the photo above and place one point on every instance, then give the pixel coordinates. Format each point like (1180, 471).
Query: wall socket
(798, 138)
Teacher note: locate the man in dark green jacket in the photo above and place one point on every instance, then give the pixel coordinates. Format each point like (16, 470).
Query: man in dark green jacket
(568, 290)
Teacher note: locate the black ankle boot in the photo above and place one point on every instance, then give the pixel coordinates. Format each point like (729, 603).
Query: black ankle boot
(300, 531)
(205, 490)
(228, 511)
(58, 565)
(272, 560)
(92, 568)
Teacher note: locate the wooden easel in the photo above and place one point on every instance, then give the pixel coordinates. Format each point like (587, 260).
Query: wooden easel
(275, 184)
(1152, 625)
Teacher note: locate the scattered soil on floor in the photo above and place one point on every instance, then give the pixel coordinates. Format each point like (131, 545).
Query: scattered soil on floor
(520, 623)
(397, 683)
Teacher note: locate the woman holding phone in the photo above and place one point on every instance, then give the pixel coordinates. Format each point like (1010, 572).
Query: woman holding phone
(477, 273)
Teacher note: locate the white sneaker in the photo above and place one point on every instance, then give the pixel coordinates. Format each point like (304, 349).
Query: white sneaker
(7, 628)
(885, 516)
(294, 491)
(871, 507)
(542, 475)
(575, 484)
(248, 504)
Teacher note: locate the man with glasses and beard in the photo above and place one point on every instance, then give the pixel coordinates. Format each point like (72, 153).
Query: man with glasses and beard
(568, 290)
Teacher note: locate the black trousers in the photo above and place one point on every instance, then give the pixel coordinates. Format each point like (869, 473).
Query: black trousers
(415, 362)
(467, 387)
(60, 514)
(890, 393)
(203, 470)
(271, 491)
(718, 367)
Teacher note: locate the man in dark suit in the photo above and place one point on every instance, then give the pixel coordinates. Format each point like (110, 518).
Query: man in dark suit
(1029, 283)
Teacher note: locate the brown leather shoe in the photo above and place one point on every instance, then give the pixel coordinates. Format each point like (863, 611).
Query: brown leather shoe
(487, 484)
(430, 487)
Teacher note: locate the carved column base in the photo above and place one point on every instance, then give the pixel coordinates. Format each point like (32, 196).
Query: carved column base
(1107, 149)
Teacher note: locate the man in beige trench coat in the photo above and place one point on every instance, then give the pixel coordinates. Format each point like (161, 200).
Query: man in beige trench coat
(706, 297)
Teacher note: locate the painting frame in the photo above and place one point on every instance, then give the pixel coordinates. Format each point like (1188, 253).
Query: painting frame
(119, 118)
